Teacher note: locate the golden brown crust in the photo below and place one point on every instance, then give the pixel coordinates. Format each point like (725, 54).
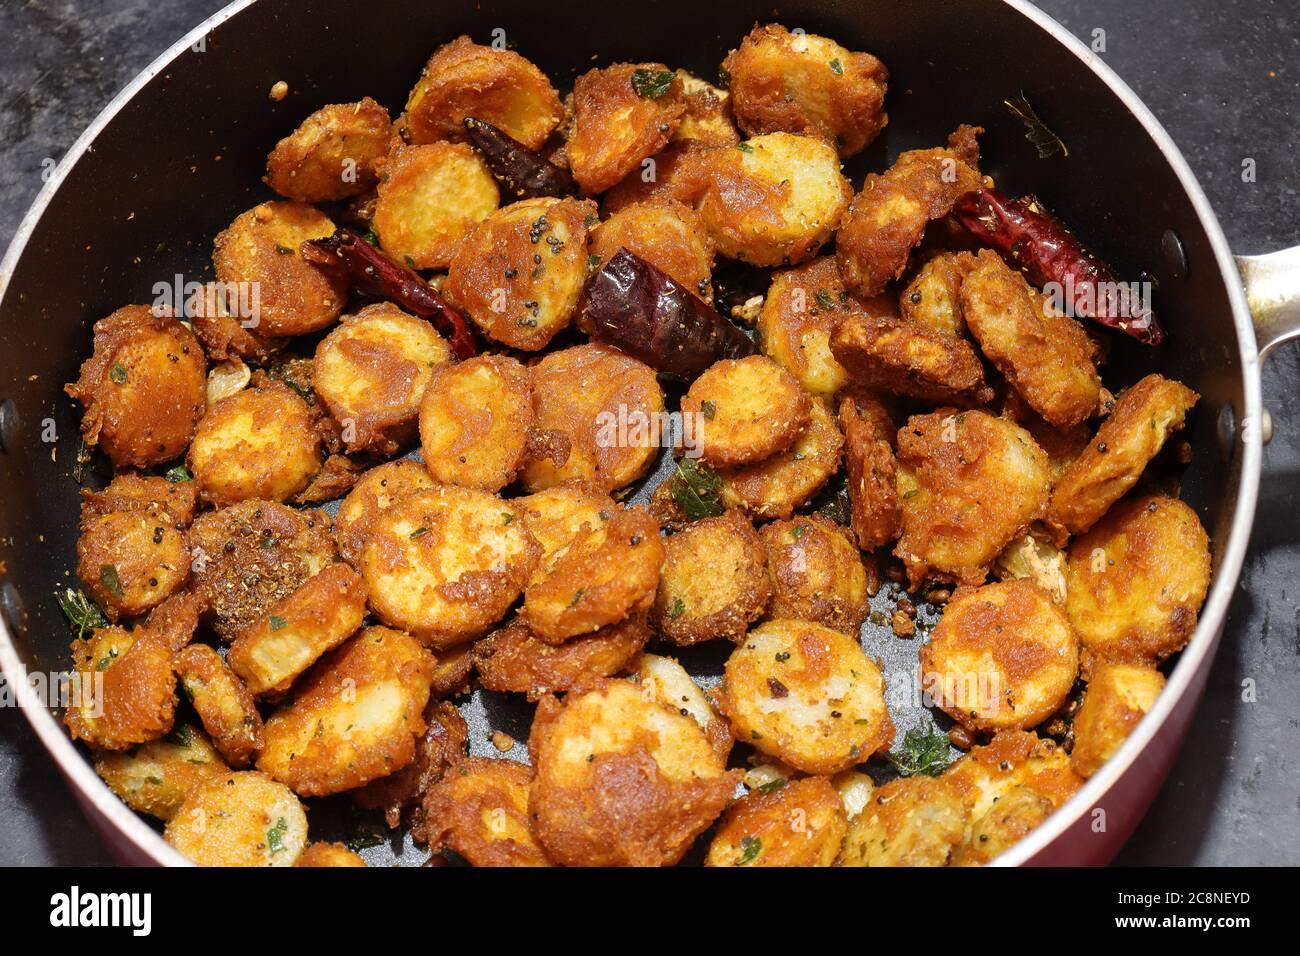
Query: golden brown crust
(708, 119)
(376, 490)
(888, 217)
(445, 564)
(665, 680)
(132, 561)
(874, 515)
(452, 673)
(499, 87)
(261, 442)
(889, 354)
(1144, 416)
(143, 389)
(667, 234)
(714, 582)
(329, 854)
(799, 824)
(804, 83)
(513, 658)
(817, 573)
(134, 492)
(1118, 697)
(746, 410)
(606, 406)
(911, 821)
(606, 574)
(1047, 358)
(371, 372)
(222, 702)
(262, 246)
(440, 747)
(479, 809)
(475, 419)
(323, 612)
(156, 777)
(799, 314)
(518, 275)
(774, 200)
(676, 173)
(429, 198)
(1017, 812)
(224, 322)
(332, 153)
(1136, 580)
(559, 514)
(621, 779)
(933, 296)
(353, 718)
(788, 480)
(250, 555)
(615, 127)
(807, 695)
(1003, 656)
(968, 483)
(240, 819)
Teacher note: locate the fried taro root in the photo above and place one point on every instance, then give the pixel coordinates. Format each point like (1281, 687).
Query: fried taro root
(806, 695)
(606, 574)
(799, 824)
(376, 490)
(1136, 580)
(499, 87)
(479, 809)
(774, 200)
(143, 388)
(933, 296)
(675, 174)
(329, 854)
(475, 419)
(1003, 656)
(332, 154)
(440, 747)
(788, 480)
(260, 250)
(354, 718)
(707, 120)
(157, 776)
(804, 83)
(371, 372)
(746, 410)
(621, 779)
(621, 114)
(1017, 812)
(1047, 357)
(430, 197)
(250, 555)
(260, 442)
(667, 234)
(518, 275)
(888, 217)
(817, 573)
(1144, 416)
(297, 629)
(801, 309)
(714, 581)
(447, 563)
(885, 353)
(240, 819)
(513, 658)
(558, 515)
(665, 680)
(131, 561)
(1118, 696)
(874, 513)
(226, 322)
(968, 483)
(604, 407)
(911, 821)
(133, 492)
(124, 683)
(222, 702)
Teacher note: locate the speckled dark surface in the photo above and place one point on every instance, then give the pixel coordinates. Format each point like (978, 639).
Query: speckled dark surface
(1225, 81)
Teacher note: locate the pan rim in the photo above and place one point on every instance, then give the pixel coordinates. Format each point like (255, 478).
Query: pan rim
(89, 788)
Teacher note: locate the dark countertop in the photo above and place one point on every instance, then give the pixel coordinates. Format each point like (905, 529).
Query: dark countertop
(1225, 81)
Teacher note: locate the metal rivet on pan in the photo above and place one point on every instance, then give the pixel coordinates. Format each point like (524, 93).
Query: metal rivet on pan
(11, 606)
(1175, 256)
(1227, 430)
(8, 425)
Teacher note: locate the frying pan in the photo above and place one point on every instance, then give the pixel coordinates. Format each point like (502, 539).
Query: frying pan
(178, 154)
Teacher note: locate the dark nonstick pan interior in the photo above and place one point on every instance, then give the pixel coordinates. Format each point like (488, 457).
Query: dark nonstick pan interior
(184, 156)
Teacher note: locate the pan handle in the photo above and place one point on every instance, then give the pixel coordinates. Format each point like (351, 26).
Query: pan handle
(1273, 293)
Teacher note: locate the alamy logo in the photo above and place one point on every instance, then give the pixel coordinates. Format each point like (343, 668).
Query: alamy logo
(134, 910)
